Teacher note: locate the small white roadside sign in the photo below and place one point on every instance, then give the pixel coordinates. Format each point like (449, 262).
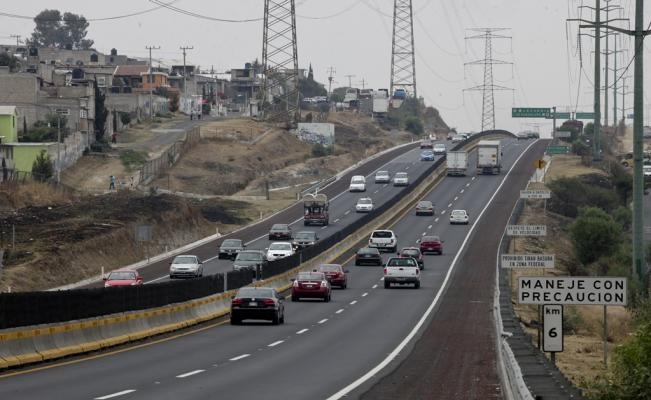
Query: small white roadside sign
(553, 328)
(527, 260)
(572, 290)
(535, 194)
(526, 230)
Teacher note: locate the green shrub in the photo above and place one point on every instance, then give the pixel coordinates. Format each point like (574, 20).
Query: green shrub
(624, 217)
(318, 150)
(125, 118)
(569, 194)
(594, 234)
(133, 159)
(42, 168)
(414, 125)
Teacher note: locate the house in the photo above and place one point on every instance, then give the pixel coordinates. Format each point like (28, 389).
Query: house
(128, 77)
(8, 124)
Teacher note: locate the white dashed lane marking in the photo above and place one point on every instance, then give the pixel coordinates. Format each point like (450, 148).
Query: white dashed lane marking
(274, 344)
(337, 220)
(339, 311)
(353, 302)
(239, 357)
(429, 227)
(347, 212)
(442, 212)
(110, 396)
(198, 371)
(449, 205)
(323, 320)
(436, 220)
(302, 331)
(462, 190)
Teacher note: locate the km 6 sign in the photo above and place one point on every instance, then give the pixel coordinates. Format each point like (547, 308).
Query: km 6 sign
(572, 290)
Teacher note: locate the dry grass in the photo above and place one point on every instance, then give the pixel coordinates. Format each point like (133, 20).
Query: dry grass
(15, 196)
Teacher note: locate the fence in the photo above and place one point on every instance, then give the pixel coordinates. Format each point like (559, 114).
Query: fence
(154, 168)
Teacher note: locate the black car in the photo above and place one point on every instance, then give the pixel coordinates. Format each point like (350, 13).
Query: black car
(257, 303)
(230, 247)
(250, 259)
(280, 231)
(304, 239)
(368, 255)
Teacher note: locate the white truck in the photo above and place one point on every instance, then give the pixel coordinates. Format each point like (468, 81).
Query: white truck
(383, 239)
(457, 162)
(489, 157)
(402, 270)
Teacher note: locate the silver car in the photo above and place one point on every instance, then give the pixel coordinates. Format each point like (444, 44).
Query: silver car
(401, 179)
(382, 177)
(188, 266)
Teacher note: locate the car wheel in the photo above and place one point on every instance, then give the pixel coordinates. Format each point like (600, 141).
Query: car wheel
(327, 298)
(356, 263)
(387, 285)
(171, 276)
(417, 285)
(282, 317)
(344, 286)
(295, 298)
(235, 321)
(219, 256)
(276, 318)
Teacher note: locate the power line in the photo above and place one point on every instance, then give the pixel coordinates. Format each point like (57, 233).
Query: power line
(134, 14)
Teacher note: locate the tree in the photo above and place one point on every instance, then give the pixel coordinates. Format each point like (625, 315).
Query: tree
(101, 113)
(589, 129)
(54, 30)
(414, 125)
(8, 60)
(594, 234)
(174, 102)
(42, 168)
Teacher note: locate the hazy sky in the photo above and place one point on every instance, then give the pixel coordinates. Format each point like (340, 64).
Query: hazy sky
(354, 37)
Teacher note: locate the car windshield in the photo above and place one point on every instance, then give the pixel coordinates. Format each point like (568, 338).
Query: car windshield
(357, 179)
(329, 268)
(280, 246)
(311, 276)
(304, 235)
(367, 250)
(279, 227)
(382, 173)
(410, 252)
(364, 201)
(257, 293)
(402, 262)
(439, 146)
(232, 243)
(382, 234)
(430, 239)
(458, 213)
(185, 260)
(122, 276)
(424, 204)
(249, 256)
(401, 175)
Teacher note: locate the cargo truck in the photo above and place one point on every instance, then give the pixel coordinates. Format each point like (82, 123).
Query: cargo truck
(489, 157)
(457, 162)
(315, 209)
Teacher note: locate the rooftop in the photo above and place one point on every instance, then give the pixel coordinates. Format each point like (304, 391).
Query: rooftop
(7, 110)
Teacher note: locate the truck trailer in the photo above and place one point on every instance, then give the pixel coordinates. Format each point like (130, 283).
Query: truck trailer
(489, 157)
(457, 163)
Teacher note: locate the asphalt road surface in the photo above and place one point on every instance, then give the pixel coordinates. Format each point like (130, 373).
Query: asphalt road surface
(323, 349)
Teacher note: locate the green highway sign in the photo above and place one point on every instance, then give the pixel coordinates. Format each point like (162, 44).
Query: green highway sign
(558, 150)
(528, 112)
(560, 115)
(584, 115)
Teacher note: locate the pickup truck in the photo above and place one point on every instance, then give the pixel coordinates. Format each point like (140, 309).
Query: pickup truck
(402, 270)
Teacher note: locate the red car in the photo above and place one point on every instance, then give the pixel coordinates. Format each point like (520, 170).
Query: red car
(311, 284)
(335, 274)
(413, 252)
(431, 244)
(123, 277)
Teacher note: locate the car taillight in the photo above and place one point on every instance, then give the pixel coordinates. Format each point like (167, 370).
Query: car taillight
(324, 283)
(237, 302)
(268, 302)
(385, 271)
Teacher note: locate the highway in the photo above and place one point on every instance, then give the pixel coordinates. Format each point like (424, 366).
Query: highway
(322, 348)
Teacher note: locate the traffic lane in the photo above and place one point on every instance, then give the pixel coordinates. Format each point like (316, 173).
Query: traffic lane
(250, 232)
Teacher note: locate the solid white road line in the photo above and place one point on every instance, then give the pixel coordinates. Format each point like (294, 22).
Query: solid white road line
(198, 371)
(157, 279)
(274, 344)
(353, 302)
(323, 321)
(347, 212)
(110, 396)
(302, 331)
(375, 370)
(339, 311)
(239, 357)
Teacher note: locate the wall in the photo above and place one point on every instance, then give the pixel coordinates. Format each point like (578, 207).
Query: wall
(9, 128)
(25, 154)
(323, 133)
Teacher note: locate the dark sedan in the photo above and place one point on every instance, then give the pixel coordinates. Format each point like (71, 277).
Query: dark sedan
(257, 303)
(413, 252)
(368, 255)
(425, 207)
(304, 239)
(280, 232)
(230, 247)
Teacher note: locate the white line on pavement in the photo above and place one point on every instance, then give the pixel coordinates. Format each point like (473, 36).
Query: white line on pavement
(366, 293)
(474, 177)
(302, 331)
(110, 396)
(353, 302)
(274, 344)
(339, 311)
(323, 320)
(449, 205)
(376, 191)
(456, 198)
(424, 233)
(323, 227)
(239, 357)
(429, 226)
(157, 279)
(462, 190)
(443, 212)
(337, 220)
(198, 371)
(347, 212)
(437, 219)
(467, 184)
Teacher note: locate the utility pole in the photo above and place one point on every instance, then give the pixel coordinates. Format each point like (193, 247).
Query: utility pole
(488, 88)
(17, 39)
(331, 75)
(280, 63)
(639, 267)
(403, 61)
(151, 82)
(615, 71)
(185, 72)
(363, 82)
(58, 148)
(350, 83)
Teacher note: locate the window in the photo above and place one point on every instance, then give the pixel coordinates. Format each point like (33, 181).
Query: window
(83, 114)
(94, 58)
(101, 81)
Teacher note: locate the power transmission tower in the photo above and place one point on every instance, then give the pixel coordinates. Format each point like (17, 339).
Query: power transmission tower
(280, 63)
(331, 76)
(488, 88)
(17, 39)
(403, 62)
(185, 72)
(151, 82)
(350, 82)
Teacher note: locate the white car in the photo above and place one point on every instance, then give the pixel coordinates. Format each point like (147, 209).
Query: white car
(186, 266)
(439, 148)
(458, 138)
(357, 184)
(459, 217)
(383, 239)
(401, 179)
(365, 204)
(278, 250)
(382, 177)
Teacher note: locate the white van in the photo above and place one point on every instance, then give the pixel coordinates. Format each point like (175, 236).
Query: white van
(357, 184)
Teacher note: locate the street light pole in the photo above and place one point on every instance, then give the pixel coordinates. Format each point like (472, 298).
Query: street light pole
(638, 146)
(58, 148)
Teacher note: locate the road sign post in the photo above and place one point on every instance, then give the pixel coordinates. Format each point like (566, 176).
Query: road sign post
(553, 329)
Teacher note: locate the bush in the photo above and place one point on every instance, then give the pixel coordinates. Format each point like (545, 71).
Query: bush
(125, 118)
(414, 125)
(571, 193)
(42, 168)
(132, 158)
(319, 150)
(594, 234)
(174, 102)
(624, 217)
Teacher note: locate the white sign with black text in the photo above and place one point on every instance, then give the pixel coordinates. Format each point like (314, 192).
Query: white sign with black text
(526, 230)
(572, 290)
(527, 260)
(535, 194)
(552, 328)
